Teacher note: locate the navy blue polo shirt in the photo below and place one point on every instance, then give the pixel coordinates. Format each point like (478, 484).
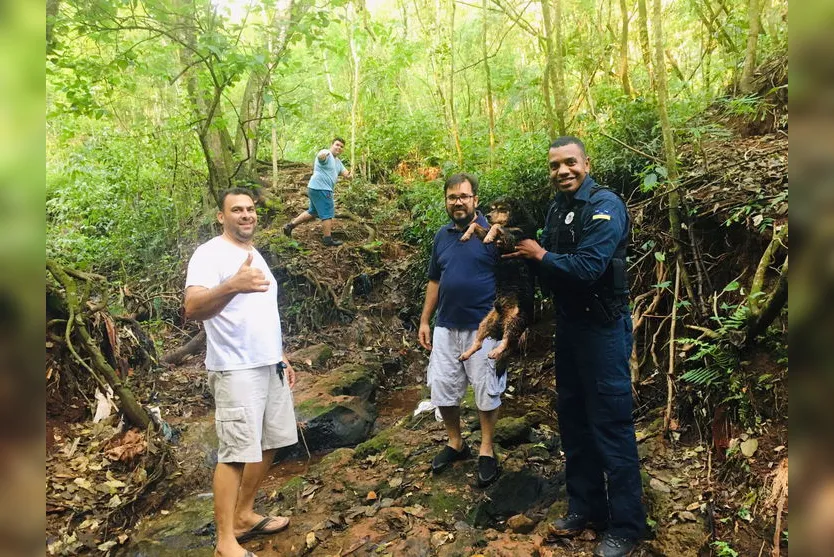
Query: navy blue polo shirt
(466, 273)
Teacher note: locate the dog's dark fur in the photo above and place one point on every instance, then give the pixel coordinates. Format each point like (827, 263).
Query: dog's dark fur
(514, 278)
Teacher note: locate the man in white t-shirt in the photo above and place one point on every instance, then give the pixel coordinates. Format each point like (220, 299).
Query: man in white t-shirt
(230, 288)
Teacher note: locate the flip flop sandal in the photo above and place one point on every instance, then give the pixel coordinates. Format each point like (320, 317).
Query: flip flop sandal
(259, 530)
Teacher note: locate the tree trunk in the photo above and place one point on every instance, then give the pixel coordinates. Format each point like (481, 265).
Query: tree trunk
(214, 140)
(354, 78)
(772, 308)
(669, 151)
(549, 68)
(455, 131)
(194, 345)
(558, 76)
(745, 84)
(643, 32)
(252, 104)
(490, 109)
(624, 50)
(250, 113)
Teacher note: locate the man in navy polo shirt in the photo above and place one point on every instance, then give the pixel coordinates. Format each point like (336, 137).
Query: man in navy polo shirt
(462, 289)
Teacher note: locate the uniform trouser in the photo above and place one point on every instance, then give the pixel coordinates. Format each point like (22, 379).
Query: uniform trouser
(594, 388)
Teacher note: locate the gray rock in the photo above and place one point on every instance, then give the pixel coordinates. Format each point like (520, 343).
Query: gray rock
(316, 354)
(336, 409)
(187, 530)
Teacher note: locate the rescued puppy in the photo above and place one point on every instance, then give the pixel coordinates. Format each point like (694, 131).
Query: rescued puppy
(514, 278)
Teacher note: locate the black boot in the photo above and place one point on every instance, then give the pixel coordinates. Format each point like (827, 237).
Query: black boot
(573, 524)
(329, 241)
(614, 546)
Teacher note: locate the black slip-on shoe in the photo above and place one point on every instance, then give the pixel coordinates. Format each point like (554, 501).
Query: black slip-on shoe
(614, 546)
(331, 242)
(488, 470)
(447, 456)
(573, 524)
(288, 230)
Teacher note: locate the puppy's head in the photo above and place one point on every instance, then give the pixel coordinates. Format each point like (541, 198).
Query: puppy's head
(501, 211)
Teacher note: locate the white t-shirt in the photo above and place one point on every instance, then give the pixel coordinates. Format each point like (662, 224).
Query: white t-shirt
(247, 332)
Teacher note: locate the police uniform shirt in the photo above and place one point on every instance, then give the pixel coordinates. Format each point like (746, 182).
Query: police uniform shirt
(604, 226)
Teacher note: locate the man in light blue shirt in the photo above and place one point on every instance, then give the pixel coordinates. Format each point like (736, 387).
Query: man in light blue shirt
(327, 167)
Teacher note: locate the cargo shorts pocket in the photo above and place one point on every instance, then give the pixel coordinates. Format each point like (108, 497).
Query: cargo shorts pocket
(496, 383)
(232, 429)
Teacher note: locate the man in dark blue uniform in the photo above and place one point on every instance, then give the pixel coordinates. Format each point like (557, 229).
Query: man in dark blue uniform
(581, 261)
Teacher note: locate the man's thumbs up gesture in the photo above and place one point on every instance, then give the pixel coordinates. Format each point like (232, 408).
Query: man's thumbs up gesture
(249, 278)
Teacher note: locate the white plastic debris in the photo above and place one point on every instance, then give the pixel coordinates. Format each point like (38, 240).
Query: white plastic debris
(427, 406)
(104, 404)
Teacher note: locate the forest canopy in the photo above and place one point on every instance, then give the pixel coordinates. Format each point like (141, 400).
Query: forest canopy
(154, 106)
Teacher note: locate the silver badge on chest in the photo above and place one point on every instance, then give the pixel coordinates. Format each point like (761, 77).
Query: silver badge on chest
(569, 218)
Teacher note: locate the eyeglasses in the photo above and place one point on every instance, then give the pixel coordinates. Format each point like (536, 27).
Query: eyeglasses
(464, 197)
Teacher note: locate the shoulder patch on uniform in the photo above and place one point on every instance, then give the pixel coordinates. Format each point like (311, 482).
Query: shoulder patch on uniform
(601, 214)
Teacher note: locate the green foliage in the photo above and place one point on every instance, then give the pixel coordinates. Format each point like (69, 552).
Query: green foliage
(428, 211)
(716, 366)
(520, 172)
(754, 211)
(723, 549)
(359, 197)
(716, 359)
(113, 204)
(634, 123)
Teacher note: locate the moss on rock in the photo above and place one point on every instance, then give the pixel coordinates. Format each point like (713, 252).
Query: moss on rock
(374, 445)
(337, 458)
(290, 489)
(510, 431)
(352, 380)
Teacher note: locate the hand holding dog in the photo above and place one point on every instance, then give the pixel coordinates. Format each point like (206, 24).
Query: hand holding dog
(528, 249)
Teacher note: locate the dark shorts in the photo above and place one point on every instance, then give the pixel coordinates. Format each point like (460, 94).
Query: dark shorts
(321, 203)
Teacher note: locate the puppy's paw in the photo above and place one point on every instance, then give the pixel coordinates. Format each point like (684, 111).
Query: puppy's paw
(496, 352)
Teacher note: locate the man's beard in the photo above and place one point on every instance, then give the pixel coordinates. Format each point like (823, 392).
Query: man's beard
(463, 221)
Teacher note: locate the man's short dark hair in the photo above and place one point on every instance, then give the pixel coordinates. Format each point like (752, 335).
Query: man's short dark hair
(234, 191)
(563, 140)
(339, 139)
(457, 179)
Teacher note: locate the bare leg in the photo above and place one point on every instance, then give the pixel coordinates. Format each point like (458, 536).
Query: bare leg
(227, 479)
(327, 227)
(302, 217)
(451, 419)
(494, 232)
(488, 420)
(511, 330)
(253, 474)
(474, 228)
(488, 323)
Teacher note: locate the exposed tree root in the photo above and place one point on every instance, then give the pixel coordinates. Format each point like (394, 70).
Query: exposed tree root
(176, 356)
(98, 367)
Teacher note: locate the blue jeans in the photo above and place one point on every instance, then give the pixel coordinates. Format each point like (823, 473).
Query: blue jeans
(593, 382)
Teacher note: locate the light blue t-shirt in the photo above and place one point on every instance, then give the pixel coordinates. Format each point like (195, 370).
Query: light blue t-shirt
(325, 173)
